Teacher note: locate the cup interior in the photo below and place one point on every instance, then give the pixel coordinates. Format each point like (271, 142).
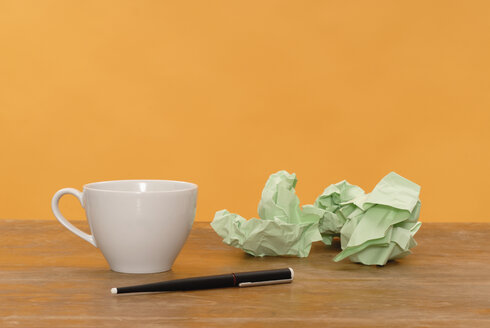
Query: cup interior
(139, 186)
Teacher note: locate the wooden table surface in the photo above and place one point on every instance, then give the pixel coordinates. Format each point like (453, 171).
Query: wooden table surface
(49, 277)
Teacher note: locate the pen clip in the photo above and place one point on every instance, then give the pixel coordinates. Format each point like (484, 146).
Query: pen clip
(262, 283)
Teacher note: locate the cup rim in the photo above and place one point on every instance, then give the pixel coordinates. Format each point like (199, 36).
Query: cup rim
(186, 186)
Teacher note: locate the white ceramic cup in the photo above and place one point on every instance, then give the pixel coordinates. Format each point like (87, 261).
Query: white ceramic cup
(139, 225)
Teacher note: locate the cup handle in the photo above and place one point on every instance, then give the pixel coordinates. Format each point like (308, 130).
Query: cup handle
(63, 220)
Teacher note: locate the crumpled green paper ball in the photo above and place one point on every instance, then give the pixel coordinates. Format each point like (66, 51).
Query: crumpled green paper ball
(382, 226)
(284, 229)
(373, 228)
(334, 201)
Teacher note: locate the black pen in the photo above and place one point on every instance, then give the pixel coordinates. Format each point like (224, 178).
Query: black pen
(239, 279)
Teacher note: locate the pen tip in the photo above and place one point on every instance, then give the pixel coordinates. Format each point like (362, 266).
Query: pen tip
(292, 273)
(114, 290)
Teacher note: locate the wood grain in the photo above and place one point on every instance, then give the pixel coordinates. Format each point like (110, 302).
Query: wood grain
(49, 277)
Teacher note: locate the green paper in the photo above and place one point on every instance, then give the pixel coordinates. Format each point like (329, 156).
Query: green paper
(265, 237)
(284, 229)
(334, 201)
(373, 228)
(336, 194)
(279, 201)
(383, 226)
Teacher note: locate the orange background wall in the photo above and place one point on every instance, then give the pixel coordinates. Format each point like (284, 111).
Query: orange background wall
(224, 93)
